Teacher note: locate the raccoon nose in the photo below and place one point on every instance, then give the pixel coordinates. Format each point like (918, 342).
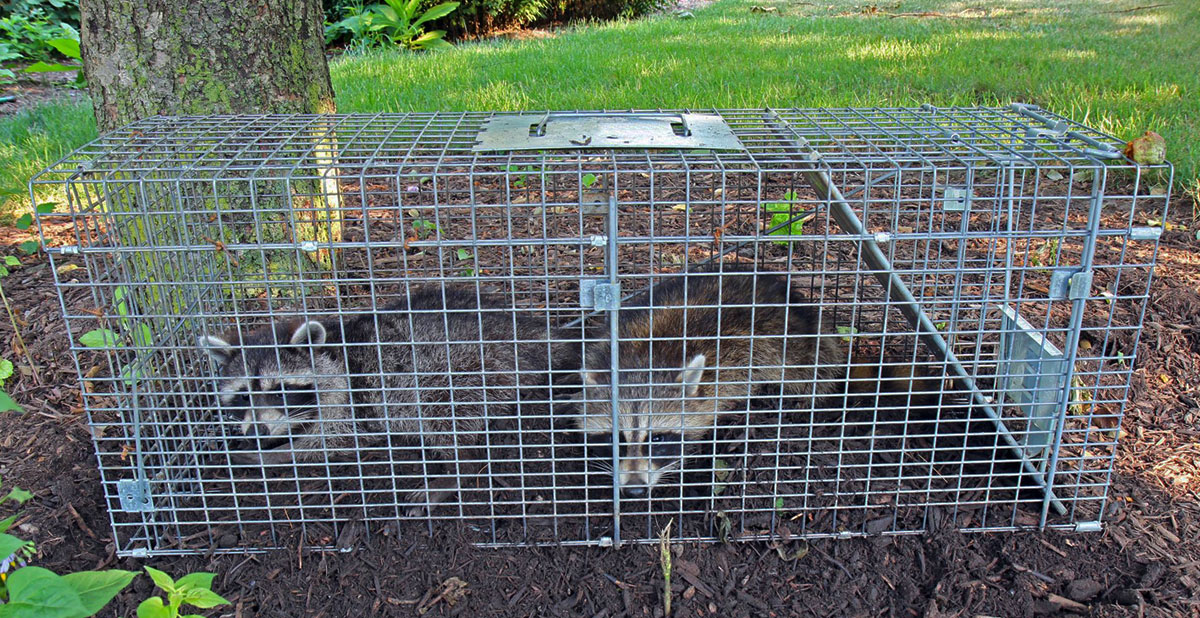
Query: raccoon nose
(634, 491)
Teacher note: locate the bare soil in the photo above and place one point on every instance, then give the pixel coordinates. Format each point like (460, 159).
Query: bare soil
(1146, 562)
(35, 90)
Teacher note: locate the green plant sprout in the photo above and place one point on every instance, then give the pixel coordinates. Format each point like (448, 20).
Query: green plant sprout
(588, 180)
(464, 259)
(782, 213)
(194, 589)
(520, 175)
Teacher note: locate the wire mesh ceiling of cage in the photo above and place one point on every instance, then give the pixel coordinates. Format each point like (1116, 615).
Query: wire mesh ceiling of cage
(570, 327)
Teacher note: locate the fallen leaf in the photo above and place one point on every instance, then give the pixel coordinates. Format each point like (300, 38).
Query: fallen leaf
(1149, 149)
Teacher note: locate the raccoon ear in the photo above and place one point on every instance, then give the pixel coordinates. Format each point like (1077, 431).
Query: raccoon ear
(217, 348)
(690, 376)
(309, 333)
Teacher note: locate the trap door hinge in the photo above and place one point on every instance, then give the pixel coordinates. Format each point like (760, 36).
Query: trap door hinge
(134, 495)
(599, 295)
(1070, 284)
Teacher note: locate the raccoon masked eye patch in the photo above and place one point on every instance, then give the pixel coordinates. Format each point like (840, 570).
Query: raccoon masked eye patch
(667, 445)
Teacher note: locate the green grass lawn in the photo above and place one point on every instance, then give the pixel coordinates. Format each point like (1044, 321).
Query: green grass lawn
(1108, 63)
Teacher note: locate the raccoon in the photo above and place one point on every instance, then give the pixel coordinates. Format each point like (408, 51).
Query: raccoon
(422, 368)
(692, 349)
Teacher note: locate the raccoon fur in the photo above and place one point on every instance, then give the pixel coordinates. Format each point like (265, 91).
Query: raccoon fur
(421, 368)
(692, 349)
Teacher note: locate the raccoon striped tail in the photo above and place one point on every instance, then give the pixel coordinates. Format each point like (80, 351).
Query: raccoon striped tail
(897, 385)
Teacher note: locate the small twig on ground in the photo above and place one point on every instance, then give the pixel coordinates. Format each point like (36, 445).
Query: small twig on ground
(1025, 569)
(37, 377)
(1138, 8)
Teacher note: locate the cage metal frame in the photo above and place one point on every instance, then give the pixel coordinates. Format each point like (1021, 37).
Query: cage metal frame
(853, 165)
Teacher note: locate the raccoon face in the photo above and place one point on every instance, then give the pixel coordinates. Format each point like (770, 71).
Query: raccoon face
(657, 418)
(281, 391)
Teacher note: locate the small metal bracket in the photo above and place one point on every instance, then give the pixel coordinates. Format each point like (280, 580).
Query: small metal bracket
(599, 130)
(1089, 526)
(598, 295)
(134, 495)
(1081, 285)
(1070, 284)
(1145, 233)
(956, 199)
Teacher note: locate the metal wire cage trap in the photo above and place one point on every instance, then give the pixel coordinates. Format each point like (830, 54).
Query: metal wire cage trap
(412, 298)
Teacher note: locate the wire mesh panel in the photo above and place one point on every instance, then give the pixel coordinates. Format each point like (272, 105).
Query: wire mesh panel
(574, 327)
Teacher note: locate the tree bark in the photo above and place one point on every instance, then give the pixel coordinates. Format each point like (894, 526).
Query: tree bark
(188, 57)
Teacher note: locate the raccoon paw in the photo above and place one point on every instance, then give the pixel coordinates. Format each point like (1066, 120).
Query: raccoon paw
(422, 501)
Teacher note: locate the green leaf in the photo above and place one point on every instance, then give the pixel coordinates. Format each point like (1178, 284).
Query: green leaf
(589, 180)
(3, 272)
(29, 247)
(17, 494)
(46, 208)
(143, 336)
(119, 300)
(66, 47)
(35, 592)
(48, 67)
(7, 404)
(198, 580)
(153, 608)
(10, 544)
(7, 523)
(436, 12)
(463, 254)
(202, 598)
(6, 370)
(100, 338)
(97, 588)
(24, 221)
(12, 260)
(162, 580)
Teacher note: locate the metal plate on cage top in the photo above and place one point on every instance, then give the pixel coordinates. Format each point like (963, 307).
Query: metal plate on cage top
(595, 130)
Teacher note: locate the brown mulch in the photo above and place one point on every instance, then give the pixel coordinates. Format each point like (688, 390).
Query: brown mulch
(1145, 563)
(32, 91)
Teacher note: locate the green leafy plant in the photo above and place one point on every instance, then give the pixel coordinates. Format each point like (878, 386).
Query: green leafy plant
(464, 261)
(588, 180)
(520, 178)
(35, 592)
(7, 404)
(194, 589)
(400, 23)
(28, 34)
(131, 333)
(786, 217)
(422, 228)
(69, 47)
(355, 26)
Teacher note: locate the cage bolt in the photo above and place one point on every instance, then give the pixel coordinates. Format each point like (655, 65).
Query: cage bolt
(309, 245)
(882, 237)
(599, 241)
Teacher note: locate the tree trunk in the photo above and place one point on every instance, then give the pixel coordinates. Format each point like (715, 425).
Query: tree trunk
(188, 57)
(198, 57)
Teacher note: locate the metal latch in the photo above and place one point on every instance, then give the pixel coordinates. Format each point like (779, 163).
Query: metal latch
(1070, 284)
(600, 296)
(134, 495)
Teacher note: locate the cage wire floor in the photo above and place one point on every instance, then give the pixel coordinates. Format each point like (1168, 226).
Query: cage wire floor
(970, 262)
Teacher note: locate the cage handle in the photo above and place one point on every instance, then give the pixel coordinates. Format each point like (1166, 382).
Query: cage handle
(539, 129)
